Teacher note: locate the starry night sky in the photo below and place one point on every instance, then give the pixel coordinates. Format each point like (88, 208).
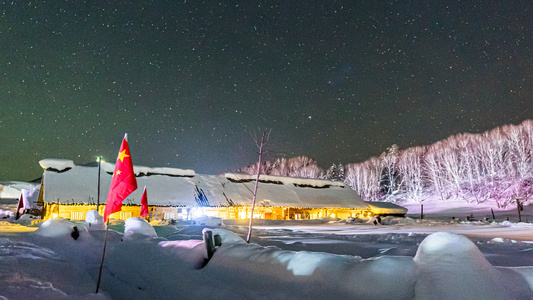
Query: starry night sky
(190, 81)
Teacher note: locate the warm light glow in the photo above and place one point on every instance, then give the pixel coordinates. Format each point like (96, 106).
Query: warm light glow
(54, 216)
(197, 212)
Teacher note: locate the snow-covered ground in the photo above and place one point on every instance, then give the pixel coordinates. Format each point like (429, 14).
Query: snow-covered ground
(443, 256)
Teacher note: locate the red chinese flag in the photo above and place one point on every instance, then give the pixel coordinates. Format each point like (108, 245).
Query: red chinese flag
(19, 206)
(144, 204)
(123, 182)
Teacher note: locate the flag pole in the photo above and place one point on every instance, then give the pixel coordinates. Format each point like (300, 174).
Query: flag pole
(103, 255)
(123, 183)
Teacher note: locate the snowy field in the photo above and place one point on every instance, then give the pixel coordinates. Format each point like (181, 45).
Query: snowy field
(443, 256)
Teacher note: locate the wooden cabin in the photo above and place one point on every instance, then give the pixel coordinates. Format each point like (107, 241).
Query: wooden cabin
(69, 191)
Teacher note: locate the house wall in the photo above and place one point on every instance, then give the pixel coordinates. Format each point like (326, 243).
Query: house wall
(78, 211)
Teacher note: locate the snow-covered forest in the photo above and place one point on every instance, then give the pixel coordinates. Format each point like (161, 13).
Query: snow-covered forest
(300, 166)
(494, 165)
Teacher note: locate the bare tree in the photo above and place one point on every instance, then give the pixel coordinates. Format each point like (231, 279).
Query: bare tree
(411, 169)
(435, 171)
(390, 182)
(259, 143)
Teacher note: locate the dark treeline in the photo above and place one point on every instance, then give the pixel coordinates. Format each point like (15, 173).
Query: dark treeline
(494, 165)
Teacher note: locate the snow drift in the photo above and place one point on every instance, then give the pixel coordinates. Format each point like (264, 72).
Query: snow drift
(51, 264)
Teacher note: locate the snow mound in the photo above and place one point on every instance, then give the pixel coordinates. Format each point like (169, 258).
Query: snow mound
(136, 228)
(192, 252)
(5, 214)
(26, 219)
(57, 228)
(389, 220)
(56, 164)
(442, 254)
(95, 220)
(312, 275)
(350, 220)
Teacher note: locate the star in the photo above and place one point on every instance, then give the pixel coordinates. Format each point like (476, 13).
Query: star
(122, 155)
(411, 75)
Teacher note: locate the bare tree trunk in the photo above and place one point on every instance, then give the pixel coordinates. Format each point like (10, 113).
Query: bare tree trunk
(260, 146)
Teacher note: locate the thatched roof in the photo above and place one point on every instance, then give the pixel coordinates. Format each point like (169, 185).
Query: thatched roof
(176, 187)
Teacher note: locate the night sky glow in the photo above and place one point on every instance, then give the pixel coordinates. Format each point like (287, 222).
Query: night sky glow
(189, 81)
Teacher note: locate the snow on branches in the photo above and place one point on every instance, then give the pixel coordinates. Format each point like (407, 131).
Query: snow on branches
(495, 165)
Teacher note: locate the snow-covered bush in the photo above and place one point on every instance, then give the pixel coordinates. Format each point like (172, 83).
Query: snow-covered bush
(95, 220)
(136, 228)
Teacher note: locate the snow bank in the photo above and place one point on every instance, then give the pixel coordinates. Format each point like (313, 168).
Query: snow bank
(397, 221)
(155, 269)
(450, 266)
(136, 228)
(56, 164)
(192, 252)
(312, 275)
(30, 271)
(49, 264)
(350, 220)
(57, 228)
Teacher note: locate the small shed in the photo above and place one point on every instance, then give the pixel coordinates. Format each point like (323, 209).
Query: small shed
(387, 209)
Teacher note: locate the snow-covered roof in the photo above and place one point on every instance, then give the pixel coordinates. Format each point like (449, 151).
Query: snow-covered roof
(177, 188)
(387, 208)
(146, 171)
(56, 164)
(316, 183)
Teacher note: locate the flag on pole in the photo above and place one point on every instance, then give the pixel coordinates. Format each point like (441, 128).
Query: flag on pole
(144, 204)
(123, 182)
(19, 206)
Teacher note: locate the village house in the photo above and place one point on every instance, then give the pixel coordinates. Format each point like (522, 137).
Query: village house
(69, 191)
